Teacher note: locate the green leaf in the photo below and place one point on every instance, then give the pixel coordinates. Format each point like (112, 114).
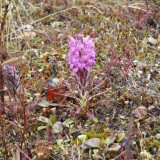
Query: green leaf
(115, 147)
(41, 127)
(53, 119)
(68, 122)
(44, 104)
(92, 117)
(59, 142)
(110, 140)
(91, 143)
(82, 137)
(44, 119)
(120, 136)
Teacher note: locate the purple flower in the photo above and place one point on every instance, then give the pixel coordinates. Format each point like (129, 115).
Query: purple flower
(81, 53)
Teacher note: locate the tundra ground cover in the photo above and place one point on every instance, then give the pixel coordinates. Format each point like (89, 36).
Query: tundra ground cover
(80, 79)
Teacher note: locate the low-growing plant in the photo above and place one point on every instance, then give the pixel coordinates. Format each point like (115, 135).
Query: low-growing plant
(127, 58)
(121, 62)
(11, 80)
(81, 59)
(50, 124)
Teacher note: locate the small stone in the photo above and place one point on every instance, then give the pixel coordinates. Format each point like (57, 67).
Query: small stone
(126, 102)
(158, 136)
(153, 150)
(54, 82)
(152, 41)
(28, 28)
(122, 117)
(139, 73)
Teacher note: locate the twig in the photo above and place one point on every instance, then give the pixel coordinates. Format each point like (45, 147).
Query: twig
(4, 19)
(119, 155)
(147, 5)
(98, 85)
(127, 10)
(99, 94)
(23, 153)
(3, 137)
(1, 107)
(24, 110)
(95, 8)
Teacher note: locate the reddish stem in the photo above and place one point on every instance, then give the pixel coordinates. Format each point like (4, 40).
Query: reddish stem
(27, 157)
(48, 131)
(4, 19)
(3, 137)
(24, 111)
(1, 108)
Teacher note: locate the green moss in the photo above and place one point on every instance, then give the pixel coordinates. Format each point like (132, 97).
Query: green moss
(96, 135)
(155, 143)
(89, 135)
(77, 141)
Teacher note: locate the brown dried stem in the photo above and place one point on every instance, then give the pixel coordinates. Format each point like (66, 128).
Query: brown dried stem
(4, 19)
(24, 111)
(23, 153)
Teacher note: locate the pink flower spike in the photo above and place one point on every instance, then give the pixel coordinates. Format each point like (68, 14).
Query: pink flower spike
(81, 53)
